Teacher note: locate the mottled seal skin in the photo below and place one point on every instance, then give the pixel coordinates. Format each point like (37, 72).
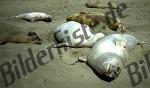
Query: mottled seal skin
(30, 37)
(35, 16)
(98, 4)
(92, 19)
(109, 55)
(75, 28)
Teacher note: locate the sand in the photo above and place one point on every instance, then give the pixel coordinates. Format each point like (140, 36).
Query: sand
(58, 73)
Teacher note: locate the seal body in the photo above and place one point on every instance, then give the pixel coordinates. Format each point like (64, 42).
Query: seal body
(35, 16)
(93, 18)
(76, 34)
(98, 4)
(30, 37)
(109, 54)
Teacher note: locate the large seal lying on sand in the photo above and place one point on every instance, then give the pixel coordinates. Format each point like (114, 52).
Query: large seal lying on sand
(30, 37)
(35, 16)
(74, 34)
(92, 19)
(109, 55)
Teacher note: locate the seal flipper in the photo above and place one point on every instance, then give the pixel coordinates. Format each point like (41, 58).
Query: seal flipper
(82, 59)
(141, 43)
(61, 45)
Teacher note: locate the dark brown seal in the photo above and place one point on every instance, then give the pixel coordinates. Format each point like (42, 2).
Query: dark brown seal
(94, 18)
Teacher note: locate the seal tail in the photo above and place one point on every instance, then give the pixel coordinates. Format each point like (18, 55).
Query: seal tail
(13, 17)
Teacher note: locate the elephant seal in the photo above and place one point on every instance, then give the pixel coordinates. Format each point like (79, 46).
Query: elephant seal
(35, 16)
(98, 4)
(30, 37)
(109, 55)
(94, 18)
(73, 34)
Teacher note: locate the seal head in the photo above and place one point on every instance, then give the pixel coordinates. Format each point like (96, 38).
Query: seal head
(48, 19)
(110, 68)
(112, 72)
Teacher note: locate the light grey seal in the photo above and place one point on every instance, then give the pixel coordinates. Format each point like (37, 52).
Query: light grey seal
(74, 34)
(35, 16)
(109, 55)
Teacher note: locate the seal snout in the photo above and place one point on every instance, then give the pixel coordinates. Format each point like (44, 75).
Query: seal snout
(34, 37)
(48, 19)
(112, 72)
(112, 69)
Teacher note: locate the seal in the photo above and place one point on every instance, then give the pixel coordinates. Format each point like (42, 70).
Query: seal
(74, 34)
(110, 54)
(94, 18)
(98, 4)
(35, 16)
(30, 37)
